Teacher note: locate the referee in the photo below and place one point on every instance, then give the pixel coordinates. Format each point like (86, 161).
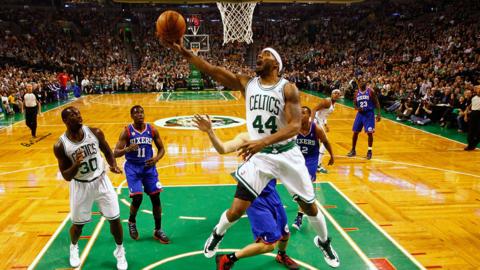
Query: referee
(474, 121)
(32, 108)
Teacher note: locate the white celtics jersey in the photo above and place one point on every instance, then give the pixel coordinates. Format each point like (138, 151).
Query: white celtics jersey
(92, 165)
(322, 115)
(265, 108)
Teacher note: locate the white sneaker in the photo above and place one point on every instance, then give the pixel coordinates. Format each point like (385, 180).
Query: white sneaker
(211, 245)
(119, 254)
(329, 254)
(74, 258)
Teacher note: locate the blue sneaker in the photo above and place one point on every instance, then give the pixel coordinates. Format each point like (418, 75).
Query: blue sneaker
(369, 154)
(298, 223)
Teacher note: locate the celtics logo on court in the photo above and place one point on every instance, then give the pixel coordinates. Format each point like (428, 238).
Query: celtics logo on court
(186, 122)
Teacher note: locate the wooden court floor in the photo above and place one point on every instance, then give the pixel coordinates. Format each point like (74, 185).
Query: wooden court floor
(423, 190)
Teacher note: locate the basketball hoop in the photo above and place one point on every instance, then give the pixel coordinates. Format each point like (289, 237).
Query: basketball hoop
(237, 21)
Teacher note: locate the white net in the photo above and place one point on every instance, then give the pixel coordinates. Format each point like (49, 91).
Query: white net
(237, 21)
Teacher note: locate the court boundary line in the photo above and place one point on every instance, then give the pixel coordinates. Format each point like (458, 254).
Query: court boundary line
(399, 123)
(49, 243)
(394, 242)
(91, 242)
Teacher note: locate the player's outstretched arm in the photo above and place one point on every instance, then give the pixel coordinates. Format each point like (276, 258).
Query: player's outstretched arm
(323, 104)
(67, 168)
(219, 74)
(106, 150)
(160, 149)
(292, 116)
(121, 147)
(322, 137)
(205, 124)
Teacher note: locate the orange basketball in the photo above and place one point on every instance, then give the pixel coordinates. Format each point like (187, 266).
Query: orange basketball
(170, 26)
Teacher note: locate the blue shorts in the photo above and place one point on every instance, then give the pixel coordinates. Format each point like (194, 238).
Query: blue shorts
(268, 218)
(140, 178)
(365, 120)
(312, 164)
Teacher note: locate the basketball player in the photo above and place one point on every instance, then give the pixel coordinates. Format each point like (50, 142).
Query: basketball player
(273, 121)
(79, 159)
(267, 216)
(320, 113)
(309, 139)
(135, 143)
(365, 100)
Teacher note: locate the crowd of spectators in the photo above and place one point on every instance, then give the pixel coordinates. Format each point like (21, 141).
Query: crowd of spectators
(421, 57)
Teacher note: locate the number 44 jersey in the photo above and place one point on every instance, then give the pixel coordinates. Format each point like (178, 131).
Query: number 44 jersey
(93, 164)
(265, 108)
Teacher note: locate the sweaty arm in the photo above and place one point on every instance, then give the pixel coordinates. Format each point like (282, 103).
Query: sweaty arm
(292, 116)
(159, 144)
(105, 148)
(67, 168)
(121, 147)
(219, 74)
(323, 104)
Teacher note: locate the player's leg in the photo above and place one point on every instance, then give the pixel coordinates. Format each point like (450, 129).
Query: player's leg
(81, 202)
(297, 181)
(321, 153)
(370, 129)
(250, 184)
(357, 128)
(134, 181)
(310, 163)
(153, 188)
(282, 226)
(107, 201)
(264, 229)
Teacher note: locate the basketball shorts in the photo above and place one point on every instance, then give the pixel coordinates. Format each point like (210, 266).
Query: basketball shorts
(288, 167)
(312, 163)
(268, 219)
(366, 121)
(141, 178)
(84, 194)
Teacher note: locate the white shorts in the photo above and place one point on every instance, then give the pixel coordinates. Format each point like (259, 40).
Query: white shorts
(83, 194)
(288, 167)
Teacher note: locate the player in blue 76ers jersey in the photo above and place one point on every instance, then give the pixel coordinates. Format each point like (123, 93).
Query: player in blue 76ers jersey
(136, 144)
(365, 101)
(309, 139)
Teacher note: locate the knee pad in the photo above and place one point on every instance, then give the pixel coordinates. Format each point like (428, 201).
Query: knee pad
(155, 198)
(137, 200)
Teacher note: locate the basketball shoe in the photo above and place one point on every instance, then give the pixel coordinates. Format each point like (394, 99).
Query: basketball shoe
(329, 254)
(74, 258)
(161, 236)
(298, 222)
(132, 229)
(211, 245)
(223, 263)
(369, 154)
(119, 254)
(287, 261)
(352, 153)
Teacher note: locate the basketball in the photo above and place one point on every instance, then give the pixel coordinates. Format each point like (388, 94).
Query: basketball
(170, 26)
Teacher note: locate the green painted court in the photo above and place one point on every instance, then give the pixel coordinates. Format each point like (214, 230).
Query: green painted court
(189, 214)
(195, 95)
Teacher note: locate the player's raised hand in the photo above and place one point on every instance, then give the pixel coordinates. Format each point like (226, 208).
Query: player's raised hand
(116, 169)
(250, 148)
(202, 123)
